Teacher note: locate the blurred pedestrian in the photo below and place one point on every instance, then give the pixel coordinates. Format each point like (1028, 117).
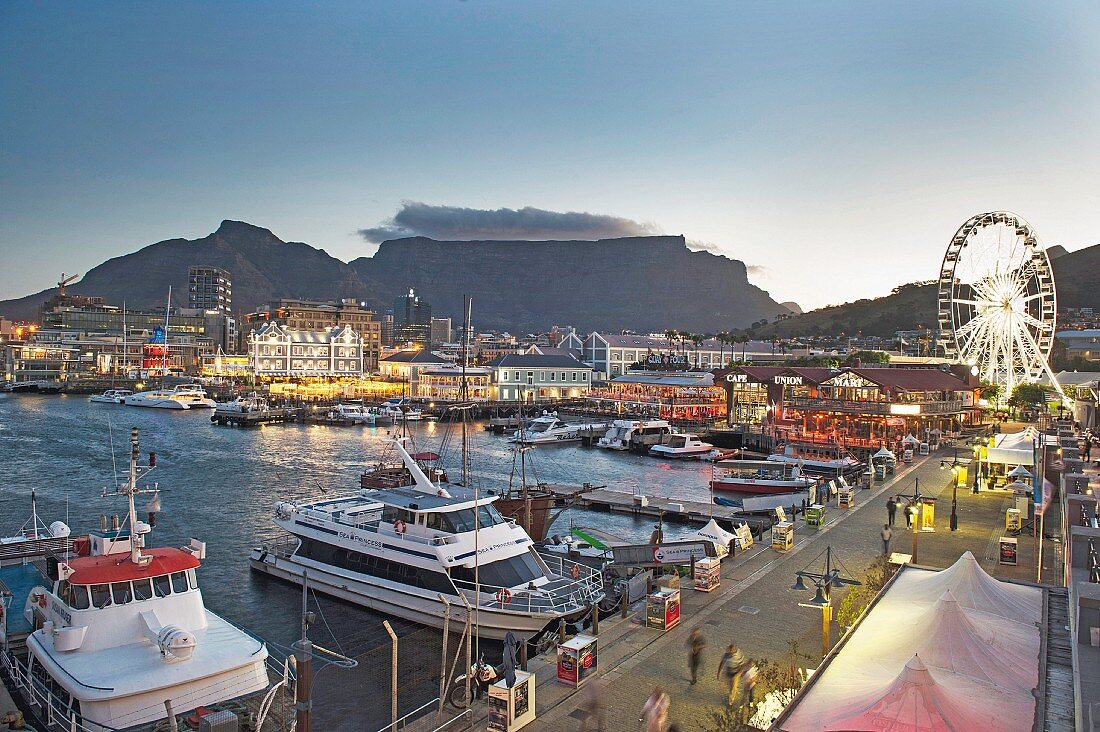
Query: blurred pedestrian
(592, 705)
(908, 515)
(887, 535)
(696, 644)
(891, 509)
(732, 664)
(748, 687)
(655, 711)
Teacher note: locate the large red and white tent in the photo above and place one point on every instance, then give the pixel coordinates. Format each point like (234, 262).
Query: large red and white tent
(941, 650)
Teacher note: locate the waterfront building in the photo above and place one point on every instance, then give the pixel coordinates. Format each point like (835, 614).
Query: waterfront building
(861, 407)
(1083, 390)
(1081, 343)
(444, 383)
(278, 351)
(684, 396)
(412, 319)
(227, 365)
(531, 378)
(406, 365)
(317, 315)
(40, 362)
(613, 354)
(209, 288)
(553, 351)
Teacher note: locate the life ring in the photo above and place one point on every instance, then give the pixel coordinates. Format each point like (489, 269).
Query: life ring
(504, 596)
(399, 527)
(575, 572)
(42, 600)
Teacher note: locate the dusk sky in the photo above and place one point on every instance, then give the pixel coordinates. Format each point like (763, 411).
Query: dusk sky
(834, 146)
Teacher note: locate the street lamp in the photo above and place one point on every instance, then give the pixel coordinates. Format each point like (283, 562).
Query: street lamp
(823, 583)
(955, 466)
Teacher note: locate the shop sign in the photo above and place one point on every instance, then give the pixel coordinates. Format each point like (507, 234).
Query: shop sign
(647, 555)
(788, 380)
(666, 359)
(737, 378)
(906, 409)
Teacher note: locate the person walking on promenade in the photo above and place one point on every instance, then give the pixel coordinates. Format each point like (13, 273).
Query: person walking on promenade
(908, 516)
(1088, 447)
(592, 705)
(696, 644)
(655, 711)
(887, 535)
(891, 509)
(732, 664)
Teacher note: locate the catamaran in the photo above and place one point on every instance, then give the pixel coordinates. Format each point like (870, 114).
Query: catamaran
(182, 396)
(101, 634)
(399, 550)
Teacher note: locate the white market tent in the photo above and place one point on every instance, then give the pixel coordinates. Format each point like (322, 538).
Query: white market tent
(883, 453)
(940, 650)
(1017, 448)
(716, 535)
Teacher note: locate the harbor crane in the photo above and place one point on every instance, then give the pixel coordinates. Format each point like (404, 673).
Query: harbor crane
(64, 281)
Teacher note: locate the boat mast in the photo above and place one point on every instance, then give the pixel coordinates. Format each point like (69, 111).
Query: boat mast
(167, 310)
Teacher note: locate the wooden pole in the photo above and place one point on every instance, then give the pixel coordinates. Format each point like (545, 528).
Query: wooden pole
(171, 716)
(393, 675)
(826, 613)
(303, 654)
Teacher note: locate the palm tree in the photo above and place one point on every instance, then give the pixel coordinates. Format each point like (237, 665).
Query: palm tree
(697, 338)
(722, 338)
(671, 334)
(743, 339)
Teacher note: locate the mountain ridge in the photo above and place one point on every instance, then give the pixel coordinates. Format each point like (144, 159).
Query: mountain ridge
(633, 282)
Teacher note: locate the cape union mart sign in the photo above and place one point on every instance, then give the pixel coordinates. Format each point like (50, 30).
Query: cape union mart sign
(780, 380)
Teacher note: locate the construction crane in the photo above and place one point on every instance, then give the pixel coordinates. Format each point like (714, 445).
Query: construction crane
(64, 281)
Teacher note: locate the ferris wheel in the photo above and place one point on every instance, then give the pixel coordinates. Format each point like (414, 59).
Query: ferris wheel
(997, 303)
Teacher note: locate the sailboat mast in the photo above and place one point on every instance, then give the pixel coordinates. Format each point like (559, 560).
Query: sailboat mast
(167, 310)
(464, 389)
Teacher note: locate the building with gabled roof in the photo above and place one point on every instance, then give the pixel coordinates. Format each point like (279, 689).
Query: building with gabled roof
(277, 351)
(528, 377)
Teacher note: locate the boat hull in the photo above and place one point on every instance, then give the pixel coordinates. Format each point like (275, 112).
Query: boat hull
(493, 624)
(155, 403)
(541, 507)
(692, 455)
(760, 487)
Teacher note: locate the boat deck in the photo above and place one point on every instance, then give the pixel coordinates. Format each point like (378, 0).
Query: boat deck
(16, 583)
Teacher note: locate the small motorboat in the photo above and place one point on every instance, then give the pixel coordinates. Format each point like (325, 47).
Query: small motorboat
(684, 445)
(111, 396)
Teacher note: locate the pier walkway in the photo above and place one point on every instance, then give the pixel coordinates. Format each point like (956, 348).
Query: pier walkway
(755, 608)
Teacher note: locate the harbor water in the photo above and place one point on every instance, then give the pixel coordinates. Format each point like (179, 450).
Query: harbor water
(220, 485)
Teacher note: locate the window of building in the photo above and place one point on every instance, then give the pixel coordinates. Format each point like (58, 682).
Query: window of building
(553, 376)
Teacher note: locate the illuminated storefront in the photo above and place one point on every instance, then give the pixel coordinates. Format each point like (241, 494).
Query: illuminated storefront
(690, 396)
(857, 407)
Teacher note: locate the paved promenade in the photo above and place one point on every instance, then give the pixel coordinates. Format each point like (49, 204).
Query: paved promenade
(756, 609)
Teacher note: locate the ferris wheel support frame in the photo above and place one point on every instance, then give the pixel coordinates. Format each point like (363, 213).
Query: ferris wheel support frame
(1025, 357)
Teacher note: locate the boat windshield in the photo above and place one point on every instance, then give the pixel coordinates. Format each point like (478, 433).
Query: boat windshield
(615, 433)
(510, 572)
(539, 426)
(458, 522)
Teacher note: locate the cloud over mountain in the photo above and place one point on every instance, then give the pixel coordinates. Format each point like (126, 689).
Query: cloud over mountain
(457, 223)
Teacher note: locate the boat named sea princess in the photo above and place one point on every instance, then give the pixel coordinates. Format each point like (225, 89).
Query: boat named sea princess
(399, 550)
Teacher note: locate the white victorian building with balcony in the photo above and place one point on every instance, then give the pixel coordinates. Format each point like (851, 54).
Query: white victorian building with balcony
(274, 350)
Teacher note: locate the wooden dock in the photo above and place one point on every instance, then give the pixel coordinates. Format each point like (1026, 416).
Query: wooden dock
(666, 509)
(255, 419)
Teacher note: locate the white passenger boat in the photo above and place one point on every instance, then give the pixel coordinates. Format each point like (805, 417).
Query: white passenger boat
(111, 396)
(758, 476)
(243, 404)
(183, 396)
(101, 632)
(623, 434)
(548, 427)
(354, 413)
(398, 410)
(683, 445)
(818, 458)
(398, 550)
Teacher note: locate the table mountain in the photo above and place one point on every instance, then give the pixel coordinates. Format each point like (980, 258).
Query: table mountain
(644, 283)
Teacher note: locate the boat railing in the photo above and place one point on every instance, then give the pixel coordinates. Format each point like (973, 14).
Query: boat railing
(575, 584)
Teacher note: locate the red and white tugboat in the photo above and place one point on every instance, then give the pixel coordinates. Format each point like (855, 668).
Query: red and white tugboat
(115, 636)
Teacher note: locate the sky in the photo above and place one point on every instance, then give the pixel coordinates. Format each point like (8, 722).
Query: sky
(833, 147)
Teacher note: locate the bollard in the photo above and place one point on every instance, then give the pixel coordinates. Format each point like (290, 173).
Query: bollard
(693, 570)
(624, 602)
(595, 620)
